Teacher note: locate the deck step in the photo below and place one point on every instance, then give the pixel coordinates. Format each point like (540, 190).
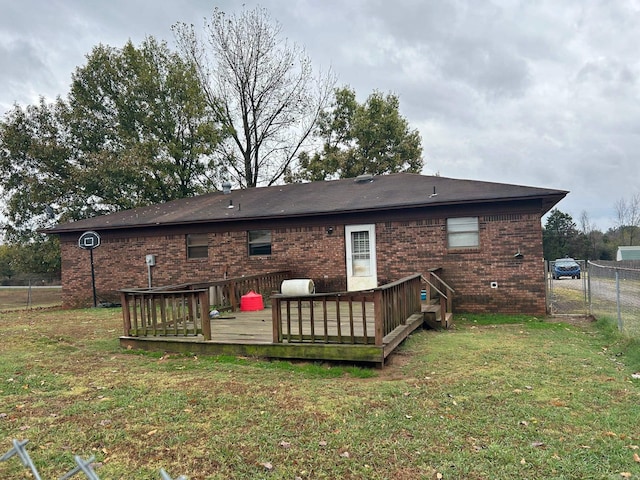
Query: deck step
(430, 308)
(433, 316)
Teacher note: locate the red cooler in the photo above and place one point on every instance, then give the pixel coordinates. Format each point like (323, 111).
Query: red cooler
(251, 302)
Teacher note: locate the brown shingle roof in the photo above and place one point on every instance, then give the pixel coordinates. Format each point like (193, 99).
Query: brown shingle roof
(385, 192)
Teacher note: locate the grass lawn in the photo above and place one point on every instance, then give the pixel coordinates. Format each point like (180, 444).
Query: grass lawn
(493, 398)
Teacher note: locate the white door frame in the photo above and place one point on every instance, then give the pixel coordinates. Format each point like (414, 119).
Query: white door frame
(362, 272)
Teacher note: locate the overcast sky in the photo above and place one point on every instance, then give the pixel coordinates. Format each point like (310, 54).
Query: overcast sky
(542, 93)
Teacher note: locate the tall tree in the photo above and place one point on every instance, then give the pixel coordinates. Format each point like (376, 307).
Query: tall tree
(263, 90)
(135, 129)
(372, 137)
(560, 236)
(36, 167)
(142, 112)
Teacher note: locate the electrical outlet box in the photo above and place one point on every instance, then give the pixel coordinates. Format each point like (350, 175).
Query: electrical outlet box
(151, 260)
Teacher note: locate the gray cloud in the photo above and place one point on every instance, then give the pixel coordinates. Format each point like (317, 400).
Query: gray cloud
(536, 93)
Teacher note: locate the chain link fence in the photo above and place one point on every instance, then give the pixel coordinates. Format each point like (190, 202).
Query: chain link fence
(614, 292)
(82, 466)
(566, 295)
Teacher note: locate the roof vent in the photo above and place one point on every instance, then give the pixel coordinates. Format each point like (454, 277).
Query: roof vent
(364, 178)
(226, 187)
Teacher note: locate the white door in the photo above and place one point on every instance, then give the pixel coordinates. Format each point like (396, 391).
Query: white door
(361, 257)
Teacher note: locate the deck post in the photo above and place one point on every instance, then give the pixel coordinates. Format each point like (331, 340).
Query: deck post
(232, 296)
(204, 315)
(379, 316)
(126, 314)
(276, 318)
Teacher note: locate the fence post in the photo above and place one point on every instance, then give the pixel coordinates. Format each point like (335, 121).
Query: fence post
(618, 308)
(588, 292)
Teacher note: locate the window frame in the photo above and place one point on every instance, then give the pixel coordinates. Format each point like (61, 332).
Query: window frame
(193, 246)
(461, 228)
(257, 246)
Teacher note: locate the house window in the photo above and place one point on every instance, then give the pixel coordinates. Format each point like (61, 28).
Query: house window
(463, 232)
(197, 245)
(259, 242)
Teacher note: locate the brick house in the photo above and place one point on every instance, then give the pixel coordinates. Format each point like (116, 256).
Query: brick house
(349, 234)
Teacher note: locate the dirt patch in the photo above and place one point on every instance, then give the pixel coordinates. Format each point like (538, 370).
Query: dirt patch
(576, 320)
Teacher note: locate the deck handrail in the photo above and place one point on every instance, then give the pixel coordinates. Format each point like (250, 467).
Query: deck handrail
(446, 285)
(305, 317)
(227, 293)
(183, 309)
(446, 299)
(166, 313)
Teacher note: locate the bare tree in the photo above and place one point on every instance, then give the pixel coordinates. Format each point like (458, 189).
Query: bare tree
(263, 89)
(628, 216)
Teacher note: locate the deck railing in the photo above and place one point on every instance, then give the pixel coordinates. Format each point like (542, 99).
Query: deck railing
(170, 312)
(183, 310)
(363, 317)
(226, 294)
(438, 289)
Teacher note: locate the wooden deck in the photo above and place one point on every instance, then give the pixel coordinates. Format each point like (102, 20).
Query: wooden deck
(363, 326)
(251, 334)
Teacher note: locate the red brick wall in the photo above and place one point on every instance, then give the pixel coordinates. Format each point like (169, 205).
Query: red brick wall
(403, 248)
(417, 246)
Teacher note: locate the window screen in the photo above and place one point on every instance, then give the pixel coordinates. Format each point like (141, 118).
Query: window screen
(197, 245)
(259, 242)
(463, 232)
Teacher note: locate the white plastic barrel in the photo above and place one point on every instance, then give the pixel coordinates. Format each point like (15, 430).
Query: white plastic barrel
(297, 286)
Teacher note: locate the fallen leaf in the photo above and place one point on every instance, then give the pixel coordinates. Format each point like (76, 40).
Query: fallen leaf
(152, 432)
(322, 443)
(625, 474)
(636, 457)
(610, 434)
(523, 462)
(537, 444)
(345, 455)
(408, 417)
(267, 465)
(524, 423)
(284, 444)
(632, 447)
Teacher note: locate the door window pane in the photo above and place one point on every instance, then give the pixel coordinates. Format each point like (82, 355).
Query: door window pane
(360, 254)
